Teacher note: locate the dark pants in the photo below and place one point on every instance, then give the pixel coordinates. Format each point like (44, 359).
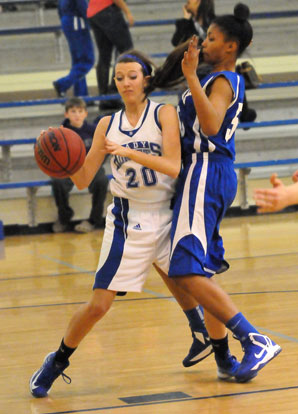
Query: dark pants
(110, 30)
(98, 189)
(82, 55)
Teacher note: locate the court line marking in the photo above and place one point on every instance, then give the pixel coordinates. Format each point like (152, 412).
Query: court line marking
(92, 272)
(48, 275)
(208, 397)
(155, 294)
(156, 297)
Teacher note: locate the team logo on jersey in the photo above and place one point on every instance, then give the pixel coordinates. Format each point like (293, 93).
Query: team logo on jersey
(143, 146)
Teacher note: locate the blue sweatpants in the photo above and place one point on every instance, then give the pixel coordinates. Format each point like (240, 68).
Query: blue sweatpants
(77, 33)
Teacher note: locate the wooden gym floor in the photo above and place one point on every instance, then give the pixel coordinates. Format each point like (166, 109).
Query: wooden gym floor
(131, 362)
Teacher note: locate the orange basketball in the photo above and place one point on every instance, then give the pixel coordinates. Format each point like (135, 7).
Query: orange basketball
(59, 152)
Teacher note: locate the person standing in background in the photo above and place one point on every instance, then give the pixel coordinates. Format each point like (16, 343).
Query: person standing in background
(110, 31)
(197, 16)
(72, 14)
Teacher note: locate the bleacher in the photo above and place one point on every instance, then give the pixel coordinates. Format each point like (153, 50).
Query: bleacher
(28, 103)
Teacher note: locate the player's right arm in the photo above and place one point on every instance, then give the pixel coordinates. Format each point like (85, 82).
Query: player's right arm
(94, 158)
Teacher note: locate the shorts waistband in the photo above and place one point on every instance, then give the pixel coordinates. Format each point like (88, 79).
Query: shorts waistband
(210, 156)
(145, 206)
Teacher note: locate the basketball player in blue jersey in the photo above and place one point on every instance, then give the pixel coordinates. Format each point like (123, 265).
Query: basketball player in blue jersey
(209, 113)
(144, 141)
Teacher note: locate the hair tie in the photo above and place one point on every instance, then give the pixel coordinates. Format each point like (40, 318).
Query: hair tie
(138, 60)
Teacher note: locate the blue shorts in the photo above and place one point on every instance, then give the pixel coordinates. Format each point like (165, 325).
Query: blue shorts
(207, 188)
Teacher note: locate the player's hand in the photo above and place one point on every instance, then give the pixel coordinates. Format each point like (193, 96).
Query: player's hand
(190, 60)
(115, 149)
(43, 131)
(272, 199)
(295, 176)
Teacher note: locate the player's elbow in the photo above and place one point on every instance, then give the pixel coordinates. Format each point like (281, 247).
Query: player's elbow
(80, 186)
(79, 183)
(175, 171)
(211, 130)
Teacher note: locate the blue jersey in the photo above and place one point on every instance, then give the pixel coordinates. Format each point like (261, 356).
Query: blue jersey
(208, 185)
(192, 136)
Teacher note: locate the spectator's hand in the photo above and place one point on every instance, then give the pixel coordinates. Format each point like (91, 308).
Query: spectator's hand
(190, 60)
(186, 14)
(295, 176)
(272, 199)
(130, 18)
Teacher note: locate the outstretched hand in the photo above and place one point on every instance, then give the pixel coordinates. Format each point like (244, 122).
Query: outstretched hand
(295, 176)
(272, 199)
(190, 60)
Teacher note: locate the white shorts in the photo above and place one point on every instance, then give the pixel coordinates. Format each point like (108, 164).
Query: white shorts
(135, 237)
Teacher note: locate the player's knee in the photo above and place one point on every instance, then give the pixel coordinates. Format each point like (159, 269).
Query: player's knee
(97, 310)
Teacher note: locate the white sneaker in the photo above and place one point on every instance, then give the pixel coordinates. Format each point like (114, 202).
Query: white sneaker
(59, 227)
(84, 227)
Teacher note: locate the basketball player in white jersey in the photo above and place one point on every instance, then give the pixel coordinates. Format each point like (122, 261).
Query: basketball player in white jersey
(144, 141)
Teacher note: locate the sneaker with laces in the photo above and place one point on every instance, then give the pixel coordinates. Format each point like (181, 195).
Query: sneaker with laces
(42, 380)
(58, 227)
(199, 350)
(227, 367)
(258, 351)
(84, 227)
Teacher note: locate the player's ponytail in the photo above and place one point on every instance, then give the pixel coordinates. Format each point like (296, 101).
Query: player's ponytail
(170, 73)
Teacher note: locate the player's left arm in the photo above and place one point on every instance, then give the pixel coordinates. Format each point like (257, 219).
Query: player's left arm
(170, 161)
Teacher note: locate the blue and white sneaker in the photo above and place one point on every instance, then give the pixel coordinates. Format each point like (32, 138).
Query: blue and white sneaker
(199, 350)
(227, 368)
(42, 380)
(258, 351)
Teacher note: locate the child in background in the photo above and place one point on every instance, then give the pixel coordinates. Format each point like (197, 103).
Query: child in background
(75, 119)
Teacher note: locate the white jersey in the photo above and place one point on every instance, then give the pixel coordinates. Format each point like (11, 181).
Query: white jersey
(131, 180)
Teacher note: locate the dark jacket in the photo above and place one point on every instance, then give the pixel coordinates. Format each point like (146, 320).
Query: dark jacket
(185, 28)
(86, 132)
